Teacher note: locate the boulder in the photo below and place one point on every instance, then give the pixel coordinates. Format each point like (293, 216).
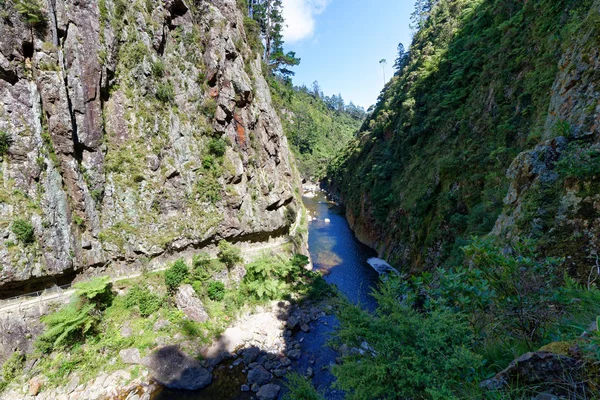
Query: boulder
(259, 375)
(268, 392)
(130, 356)
(190, 304)
(534, 368)
(249, 355)
(294, 354)
(176, 370)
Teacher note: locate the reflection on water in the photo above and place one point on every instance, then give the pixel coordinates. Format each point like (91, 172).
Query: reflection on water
(334, 248)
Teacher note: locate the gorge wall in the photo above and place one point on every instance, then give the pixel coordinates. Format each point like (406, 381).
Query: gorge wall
(491, 124)
(135, 129)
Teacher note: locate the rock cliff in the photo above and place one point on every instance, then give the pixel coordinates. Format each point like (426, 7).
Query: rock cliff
(133, 129)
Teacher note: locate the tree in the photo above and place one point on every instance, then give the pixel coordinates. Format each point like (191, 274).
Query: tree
(401, 59)
(383, 62)
(268, 14)
(316, 90)
(421, 14)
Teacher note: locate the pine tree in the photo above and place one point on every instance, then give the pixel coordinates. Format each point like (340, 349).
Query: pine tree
(268, 14)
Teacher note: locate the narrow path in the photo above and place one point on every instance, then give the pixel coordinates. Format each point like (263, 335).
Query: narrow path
(25, 300)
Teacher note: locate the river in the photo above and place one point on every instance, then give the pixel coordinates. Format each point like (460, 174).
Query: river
(343, 259)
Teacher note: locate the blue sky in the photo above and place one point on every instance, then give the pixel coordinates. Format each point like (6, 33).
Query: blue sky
(341, 42)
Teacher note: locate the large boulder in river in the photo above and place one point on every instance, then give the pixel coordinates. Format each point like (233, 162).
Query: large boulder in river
(190, 304)
(176, 370)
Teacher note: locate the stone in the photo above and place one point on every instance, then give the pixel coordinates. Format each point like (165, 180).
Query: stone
(533, 368)
(250, 354)
(176, 370)
(245, 388)
(309, 372)
(304, 328)
(130, 356)
(280, 372)
(188, 302)
(268, 392)
(259, 375)
(35, 385)
(255, 387)
(285, 361)
(294, 354)
(161, 324)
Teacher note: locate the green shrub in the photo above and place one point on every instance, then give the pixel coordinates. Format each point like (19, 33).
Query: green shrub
(208, 162)
(23, 230)
(175, 275)
(165, 92)
(67, 326)
(147, 302)
(5, 142)
(158, 69)
(229, 254)
(97, 291)
(209, 107)
(406, 353)
(217, 147)
(11, 368)
(32, 11)
(580, 161)
(300, 388)
(216, 291)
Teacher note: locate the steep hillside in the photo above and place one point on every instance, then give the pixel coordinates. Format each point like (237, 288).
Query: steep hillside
(132, 130)
(318, 127)
(489, 86)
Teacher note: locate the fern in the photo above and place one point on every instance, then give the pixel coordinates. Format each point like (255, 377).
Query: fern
(66, 326)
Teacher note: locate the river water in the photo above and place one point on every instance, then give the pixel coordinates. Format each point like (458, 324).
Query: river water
(343, 259)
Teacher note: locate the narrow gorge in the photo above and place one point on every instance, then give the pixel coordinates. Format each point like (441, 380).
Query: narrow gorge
(184, 216)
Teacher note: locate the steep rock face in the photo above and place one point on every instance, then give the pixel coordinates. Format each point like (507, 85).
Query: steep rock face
(138, 128)
(491, 125)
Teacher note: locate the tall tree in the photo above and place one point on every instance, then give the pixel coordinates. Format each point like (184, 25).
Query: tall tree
(268, 14)
(401, 59)
(383, 61)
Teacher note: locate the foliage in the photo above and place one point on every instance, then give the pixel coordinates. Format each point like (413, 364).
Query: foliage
(11, 368)
(23, 230)
(217, 147)
(300, 388)
(5, 142)
(32, 11)
(165, 92)
(406, 353)
(97, 291)
(158, 69)
(229, 254)
(580, 161)
(67, 326)
(318, 127)
(216, 291)
(142, 298)
(428, 166)
(176, 274)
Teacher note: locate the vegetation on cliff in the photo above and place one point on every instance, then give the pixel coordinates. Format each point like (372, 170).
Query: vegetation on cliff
(477, 174)
(428, 169)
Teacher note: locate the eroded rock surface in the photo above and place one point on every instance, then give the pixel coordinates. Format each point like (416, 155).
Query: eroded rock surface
(137, 131)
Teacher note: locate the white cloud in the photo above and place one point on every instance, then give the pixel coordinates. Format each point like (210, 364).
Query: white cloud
(300, 18)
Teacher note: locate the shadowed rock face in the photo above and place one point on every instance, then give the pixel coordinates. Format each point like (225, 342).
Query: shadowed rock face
(137, 131)
(176, 370)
